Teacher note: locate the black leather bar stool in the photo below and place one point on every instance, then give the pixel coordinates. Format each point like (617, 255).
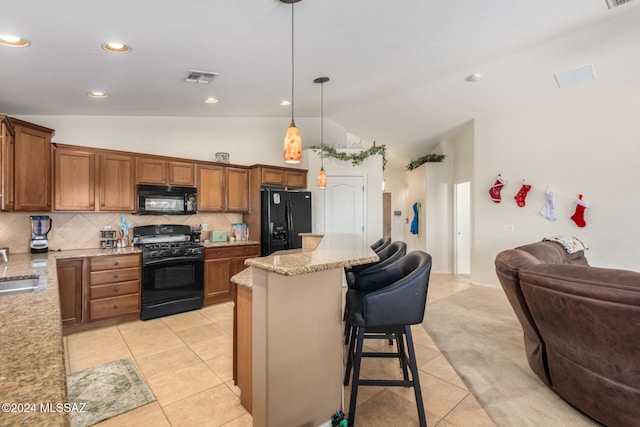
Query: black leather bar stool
(376, 246)
(388, 256)
(380, 244)
(383, 304)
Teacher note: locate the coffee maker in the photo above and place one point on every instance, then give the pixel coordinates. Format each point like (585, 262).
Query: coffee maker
(40, 227)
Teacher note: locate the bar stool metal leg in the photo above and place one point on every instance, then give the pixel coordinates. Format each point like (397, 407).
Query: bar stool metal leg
(356, 376)
(414, 375)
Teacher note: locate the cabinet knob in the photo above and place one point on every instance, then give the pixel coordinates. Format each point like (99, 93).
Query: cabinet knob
(115, 276)
(115, 289)
(115, 262)
(115, 306)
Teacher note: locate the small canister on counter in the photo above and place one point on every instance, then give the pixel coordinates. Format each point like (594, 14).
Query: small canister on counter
(240, 231)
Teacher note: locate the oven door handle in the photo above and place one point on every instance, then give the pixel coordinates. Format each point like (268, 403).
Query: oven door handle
(173, 260)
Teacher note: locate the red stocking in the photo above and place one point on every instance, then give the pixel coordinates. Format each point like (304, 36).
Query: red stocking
(522, 194)
(578, 216)
(494, 191)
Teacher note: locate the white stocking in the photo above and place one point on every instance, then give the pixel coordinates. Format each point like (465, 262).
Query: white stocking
(549, 210)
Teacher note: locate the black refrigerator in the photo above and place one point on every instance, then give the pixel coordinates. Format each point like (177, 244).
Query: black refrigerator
(284, 214)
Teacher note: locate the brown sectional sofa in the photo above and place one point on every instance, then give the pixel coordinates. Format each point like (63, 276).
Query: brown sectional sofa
(581, 327)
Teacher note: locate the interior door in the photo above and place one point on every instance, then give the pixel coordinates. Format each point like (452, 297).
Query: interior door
(344, 205)
(462, 228)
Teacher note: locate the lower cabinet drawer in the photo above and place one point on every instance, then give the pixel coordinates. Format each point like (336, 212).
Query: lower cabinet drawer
(111, 276)
(232, 251)
(115, 289)
(116, 306)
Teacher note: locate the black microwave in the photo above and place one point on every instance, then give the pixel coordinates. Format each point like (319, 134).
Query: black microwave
(166, 200)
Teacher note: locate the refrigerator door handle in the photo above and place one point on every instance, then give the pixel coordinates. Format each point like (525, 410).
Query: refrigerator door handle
(290, 238)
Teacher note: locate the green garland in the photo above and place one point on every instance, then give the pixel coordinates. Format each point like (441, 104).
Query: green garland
(424, 159)
(355, 158)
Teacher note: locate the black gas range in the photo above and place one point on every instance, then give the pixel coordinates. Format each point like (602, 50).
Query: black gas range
(172, 270)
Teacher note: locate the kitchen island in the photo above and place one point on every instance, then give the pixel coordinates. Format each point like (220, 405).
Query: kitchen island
(296, 327)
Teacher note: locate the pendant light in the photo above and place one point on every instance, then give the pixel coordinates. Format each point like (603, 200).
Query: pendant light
(322, 176)
(292, 141)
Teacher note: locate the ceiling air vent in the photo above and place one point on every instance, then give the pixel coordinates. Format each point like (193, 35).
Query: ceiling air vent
(616, 3)
(203, 77)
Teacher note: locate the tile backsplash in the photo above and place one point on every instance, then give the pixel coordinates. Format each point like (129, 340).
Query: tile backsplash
(80, 230)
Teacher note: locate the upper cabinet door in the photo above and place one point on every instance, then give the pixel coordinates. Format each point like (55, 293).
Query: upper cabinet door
(237, 189)
(295, 179)
(73, 180)
(162, 172)
(32, 167)
(117, 187)
(182, 174)
(151, 171)
(272, 176)
(211, 188)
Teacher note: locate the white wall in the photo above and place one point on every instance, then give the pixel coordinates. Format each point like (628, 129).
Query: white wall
(370, 169)
(589, 145)
(431, 185)
(247, 140)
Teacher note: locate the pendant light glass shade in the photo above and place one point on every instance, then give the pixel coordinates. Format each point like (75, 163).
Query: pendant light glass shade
(292, 145)
(322, 180)
(292, 140)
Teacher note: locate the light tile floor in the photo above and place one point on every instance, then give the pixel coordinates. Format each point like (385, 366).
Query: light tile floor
(187, 361)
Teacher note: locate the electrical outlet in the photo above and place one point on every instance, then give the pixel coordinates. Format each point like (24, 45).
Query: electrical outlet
(205, 227)
(508, 228)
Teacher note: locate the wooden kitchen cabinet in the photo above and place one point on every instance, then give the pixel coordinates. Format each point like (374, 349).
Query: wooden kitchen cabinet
(158, 171)
(211, 188)
(73, 178)
(237, 189)
(116, 182)
(223, 188)
(182, 174)
(114, 286)
(31, 166)
(151, 171)
(220, 264)
(289, 178)
(243, 344)
(70, 290)
(7, 137)
(295, 179)
(270, 176)
(79, 174)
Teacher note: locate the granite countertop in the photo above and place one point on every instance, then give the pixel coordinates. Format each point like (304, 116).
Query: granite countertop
(333, 251)
(244, 278)
(32, 367)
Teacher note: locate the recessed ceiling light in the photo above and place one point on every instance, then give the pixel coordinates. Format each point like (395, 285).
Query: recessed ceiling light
(13, 41)
(116, 47)
(285, 103)
(211, 100)
(474, 77)
(97, 94)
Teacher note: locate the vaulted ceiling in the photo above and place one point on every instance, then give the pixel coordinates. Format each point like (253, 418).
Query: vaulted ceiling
(398, 69)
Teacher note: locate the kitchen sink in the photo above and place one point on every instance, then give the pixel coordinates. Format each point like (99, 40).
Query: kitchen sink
(18, 286)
